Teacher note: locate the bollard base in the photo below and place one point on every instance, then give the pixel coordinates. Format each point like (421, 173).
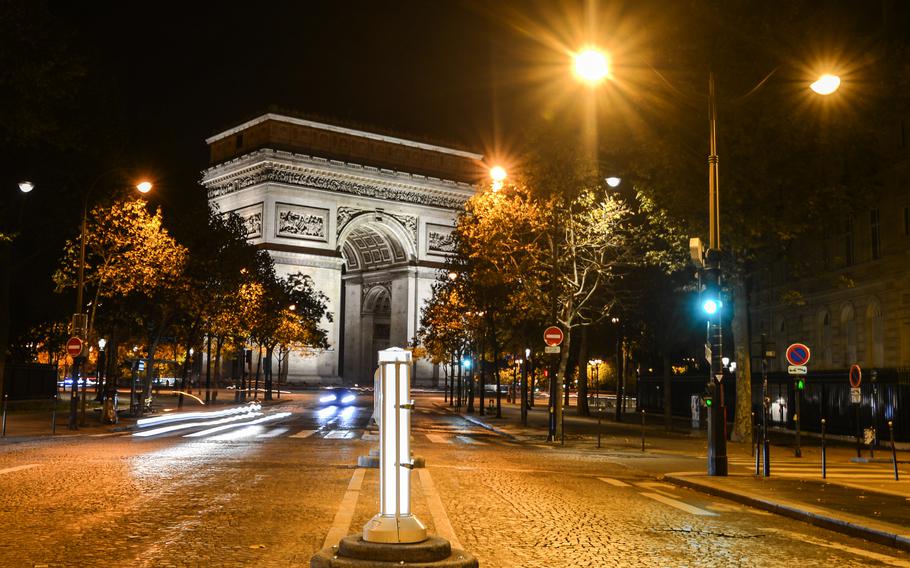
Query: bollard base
(355, 552)
(394, 530)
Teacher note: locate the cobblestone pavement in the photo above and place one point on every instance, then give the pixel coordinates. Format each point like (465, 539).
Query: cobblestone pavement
(269, 494)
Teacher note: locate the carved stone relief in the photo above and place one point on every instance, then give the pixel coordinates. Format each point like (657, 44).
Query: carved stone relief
(251, 215)
(299, 222)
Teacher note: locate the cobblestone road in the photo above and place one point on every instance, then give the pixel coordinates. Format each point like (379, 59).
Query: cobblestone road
(268, 495)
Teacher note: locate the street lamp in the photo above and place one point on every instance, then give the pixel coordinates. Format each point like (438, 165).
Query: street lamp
(498, 175)
(826, 84)
(591, 65)
(80, 324)
(26, 186)
(613, 181)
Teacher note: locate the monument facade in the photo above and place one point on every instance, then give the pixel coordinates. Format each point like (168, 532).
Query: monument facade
(367, 216)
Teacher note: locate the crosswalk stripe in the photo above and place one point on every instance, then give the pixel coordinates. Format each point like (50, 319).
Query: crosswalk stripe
(303, 434)
(437, 439)
(614, 482)
(471, 441)
(273, 433)
(679, 505)
(18, 468)
(340, 435)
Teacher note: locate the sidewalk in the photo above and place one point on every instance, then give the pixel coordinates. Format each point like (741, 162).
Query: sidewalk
(860, 499)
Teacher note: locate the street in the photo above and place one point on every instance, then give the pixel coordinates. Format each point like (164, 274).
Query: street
(273, 493)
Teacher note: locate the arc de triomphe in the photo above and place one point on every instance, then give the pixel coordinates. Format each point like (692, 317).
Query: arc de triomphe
(367, 216)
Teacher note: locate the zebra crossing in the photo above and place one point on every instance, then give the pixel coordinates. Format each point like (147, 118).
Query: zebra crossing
(441, 438)
(836, 471)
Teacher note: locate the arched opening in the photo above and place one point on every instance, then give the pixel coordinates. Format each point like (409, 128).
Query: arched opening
(824, 337)
(378, 290)
(875, 335)
(848, 334)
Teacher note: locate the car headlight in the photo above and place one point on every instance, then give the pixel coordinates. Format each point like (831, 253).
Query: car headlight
(347, 398)
(327, 398)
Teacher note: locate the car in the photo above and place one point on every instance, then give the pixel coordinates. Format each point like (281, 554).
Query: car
(337, 396)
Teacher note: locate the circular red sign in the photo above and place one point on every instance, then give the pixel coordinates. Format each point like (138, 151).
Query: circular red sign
(856, 376)
(553, 336)
(74, 347)
(798, 354)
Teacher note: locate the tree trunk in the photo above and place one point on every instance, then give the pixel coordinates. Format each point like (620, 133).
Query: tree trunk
(742, 425)
(668, 399)
(185, 373)
(582, 404)
(267, 370)
(258, 367)
(496, 367)
(6, 261)
(208, 369)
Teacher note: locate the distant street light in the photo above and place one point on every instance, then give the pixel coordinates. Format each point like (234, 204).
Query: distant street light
(613, 181)
(591, 65)
(26, 186)
(453, 275)
(144, 187)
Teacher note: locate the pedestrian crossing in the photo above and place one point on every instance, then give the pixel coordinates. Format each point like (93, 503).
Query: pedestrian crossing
(445, 438)
(808, 468)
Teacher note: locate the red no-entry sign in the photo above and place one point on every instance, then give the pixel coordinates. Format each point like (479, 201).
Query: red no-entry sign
(553, 336)
(74, 347)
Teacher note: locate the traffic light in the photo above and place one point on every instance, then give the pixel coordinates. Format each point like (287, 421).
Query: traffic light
(800, 383)
(710, 297)
(709, 400)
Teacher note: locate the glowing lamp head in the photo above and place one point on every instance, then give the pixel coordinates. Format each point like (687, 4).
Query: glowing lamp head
(826, 84)
(144, 187)
(26, 186)
(710, 306)
(466, 363)
(613, 181)
(591, 65)
(101, 343)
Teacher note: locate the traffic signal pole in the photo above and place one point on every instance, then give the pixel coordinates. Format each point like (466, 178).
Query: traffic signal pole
(717, 421)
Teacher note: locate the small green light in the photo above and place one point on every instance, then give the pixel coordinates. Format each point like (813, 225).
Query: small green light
(709, 401)
(800, 384)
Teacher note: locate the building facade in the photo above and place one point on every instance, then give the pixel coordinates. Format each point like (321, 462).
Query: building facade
(367, 216)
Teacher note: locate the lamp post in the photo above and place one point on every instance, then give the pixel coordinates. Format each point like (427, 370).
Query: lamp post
(593, 66)
(80, 322)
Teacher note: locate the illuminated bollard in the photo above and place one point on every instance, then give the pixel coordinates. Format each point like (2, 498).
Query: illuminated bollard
(395, 523)
(394, 537)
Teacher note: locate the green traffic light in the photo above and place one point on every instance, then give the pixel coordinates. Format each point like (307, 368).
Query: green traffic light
(800, 384)
(709, 401)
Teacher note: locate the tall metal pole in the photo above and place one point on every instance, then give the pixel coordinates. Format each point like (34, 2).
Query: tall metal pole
(766, 408)
(717, 441)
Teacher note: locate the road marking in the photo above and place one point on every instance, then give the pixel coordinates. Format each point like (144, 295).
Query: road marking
(340, 435)
(655, 485)
(274, 432)
(679, 505)
(437, 510)
(883, 558)
(303, 434)
(438, 439)
(18, 468)
(108, 434)
(342, 522)
(471, 441)
(614, 482)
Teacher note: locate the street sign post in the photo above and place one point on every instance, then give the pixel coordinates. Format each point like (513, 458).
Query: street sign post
(551, 349)
(798, 355)
(856, 399)
(74, 347)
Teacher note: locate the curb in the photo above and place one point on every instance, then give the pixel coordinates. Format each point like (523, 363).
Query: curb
(884, 534)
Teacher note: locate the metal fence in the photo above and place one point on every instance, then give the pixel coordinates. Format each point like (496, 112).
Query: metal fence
(826, 395)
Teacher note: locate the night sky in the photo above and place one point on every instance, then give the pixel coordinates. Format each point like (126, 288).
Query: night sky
(473, 74)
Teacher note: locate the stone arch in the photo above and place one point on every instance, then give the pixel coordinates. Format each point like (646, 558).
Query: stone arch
(374, 238)
(875, 334)
(848, 333)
